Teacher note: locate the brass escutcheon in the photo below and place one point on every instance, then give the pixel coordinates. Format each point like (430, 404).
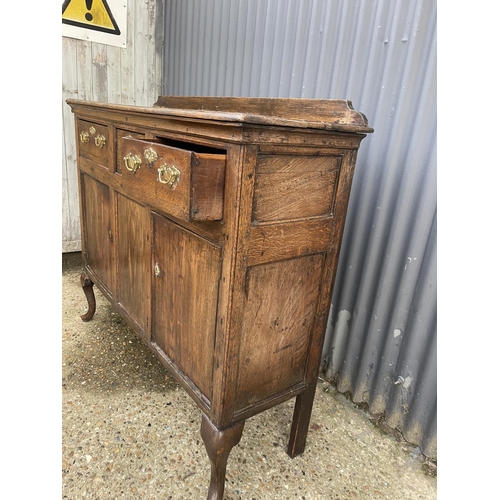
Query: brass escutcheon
(92, 130)
(157, 270)
(84, 137)
(151, 155)
(132, 162)
(100, 140)
(169, 175)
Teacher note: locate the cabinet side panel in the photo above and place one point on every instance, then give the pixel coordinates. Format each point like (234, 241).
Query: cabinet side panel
(97, 228)
(186, 284)
(134, 261)
(277, 325)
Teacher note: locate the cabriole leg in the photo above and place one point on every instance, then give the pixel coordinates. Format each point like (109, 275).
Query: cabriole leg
(300, 423)
(88, 290)
(218, 445)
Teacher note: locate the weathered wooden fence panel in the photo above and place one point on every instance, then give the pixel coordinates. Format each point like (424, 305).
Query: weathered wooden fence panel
(98, 72)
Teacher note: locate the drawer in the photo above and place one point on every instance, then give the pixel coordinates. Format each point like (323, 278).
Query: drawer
(120, 153)
(93, 140)
(185, 183)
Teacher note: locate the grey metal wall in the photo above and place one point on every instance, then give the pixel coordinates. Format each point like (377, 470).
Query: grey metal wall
(380, 345)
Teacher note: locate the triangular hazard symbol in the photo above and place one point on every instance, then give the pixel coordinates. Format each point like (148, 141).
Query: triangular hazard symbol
(90, 14)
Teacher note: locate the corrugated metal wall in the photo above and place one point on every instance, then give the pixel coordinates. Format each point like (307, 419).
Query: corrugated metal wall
(103, 73)
(380, 345)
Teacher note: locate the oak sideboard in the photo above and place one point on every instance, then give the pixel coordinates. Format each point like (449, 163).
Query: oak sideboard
(213, 225)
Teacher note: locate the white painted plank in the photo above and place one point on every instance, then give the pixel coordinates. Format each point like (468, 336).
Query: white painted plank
(84, 69)
(70, 204)
(127, 59)
(99, 72)
(141, 52)
(114, 75)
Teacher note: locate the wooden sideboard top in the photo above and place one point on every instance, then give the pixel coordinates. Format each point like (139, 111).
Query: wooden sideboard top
(325, 114)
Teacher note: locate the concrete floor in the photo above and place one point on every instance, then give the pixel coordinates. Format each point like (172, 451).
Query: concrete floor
(130, 432)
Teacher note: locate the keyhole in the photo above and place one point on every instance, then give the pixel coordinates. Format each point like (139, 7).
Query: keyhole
(88, 15)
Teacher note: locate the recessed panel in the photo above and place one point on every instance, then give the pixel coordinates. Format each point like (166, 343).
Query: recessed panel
(294, 187)
(278, 320)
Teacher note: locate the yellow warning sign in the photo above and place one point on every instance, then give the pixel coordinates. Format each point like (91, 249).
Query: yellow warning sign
(91, 14)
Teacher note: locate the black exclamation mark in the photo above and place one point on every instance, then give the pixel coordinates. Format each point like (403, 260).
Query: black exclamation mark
(88, 15)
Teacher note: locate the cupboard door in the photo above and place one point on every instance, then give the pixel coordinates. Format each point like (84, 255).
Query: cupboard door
(134, 262)
(186, 284)
(98, 235)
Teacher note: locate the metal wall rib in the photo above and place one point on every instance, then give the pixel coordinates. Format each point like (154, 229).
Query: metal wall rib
(380, 344)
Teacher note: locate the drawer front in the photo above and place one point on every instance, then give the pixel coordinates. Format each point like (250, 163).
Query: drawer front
(183, 183)
(120, 153)
(94, 143)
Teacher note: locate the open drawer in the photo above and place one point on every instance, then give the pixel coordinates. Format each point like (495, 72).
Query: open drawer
(186, 183)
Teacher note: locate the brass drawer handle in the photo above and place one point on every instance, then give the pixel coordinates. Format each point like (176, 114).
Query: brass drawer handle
(84, 137)
(151, 155)
(100, 140)
(132, 162)
(169, 175)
